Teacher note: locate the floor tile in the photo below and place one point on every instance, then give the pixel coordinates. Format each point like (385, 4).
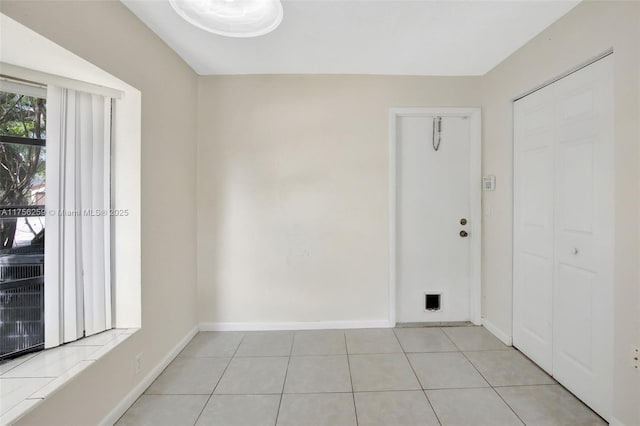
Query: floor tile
(464, 407)
(213, 343)
(548, 405)
(253, 376)
(325, 409)
(266, 343)
(164, 410)
(445, 370)
(382, 372)
(319, 342)
(506, 368)
(9, 364)
(14, 391)
(102, 338)
(240, 410)
(314, 374)
(372, 341)
(428, 339)
(108, 345)
(473, 339)
(404, 408)
(52, 362)
(189, 376)
(60, 381)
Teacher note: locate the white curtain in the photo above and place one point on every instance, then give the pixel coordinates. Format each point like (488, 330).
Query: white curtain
(77, 242)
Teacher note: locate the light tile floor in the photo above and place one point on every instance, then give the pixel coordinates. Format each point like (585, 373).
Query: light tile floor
(382, 377)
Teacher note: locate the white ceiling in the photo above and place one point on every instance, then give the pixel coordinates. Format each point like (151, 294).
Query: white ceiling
(397, 37)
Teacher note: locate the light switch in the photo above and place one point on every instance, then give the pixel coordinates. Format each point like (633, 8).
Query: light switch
(489, 183)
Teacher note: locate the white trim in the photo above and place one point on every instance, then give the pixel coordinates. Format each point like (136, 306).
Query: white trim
(615, 422)
(501, 335)
(475, 202)
(112, 417)
(21, 88)
(393, 182)
(318, 325)
(578, 67)
(475, 209)
(56, 80)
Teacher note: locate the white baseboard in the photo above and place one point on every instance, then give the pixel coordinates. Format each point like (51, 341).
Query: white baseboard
(504, 337)
(318, 325)
(132, 396)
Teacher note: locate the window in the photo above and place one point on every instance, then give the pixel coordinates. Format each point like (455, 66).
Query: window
(22, 220)
(74, 261)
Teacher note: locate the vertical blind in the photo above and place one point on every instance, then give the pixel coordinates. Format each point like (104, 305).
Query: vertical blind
(77, 243)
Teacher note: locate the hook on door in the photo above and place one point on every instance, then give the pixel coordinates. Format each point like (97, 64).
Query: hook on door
(437, 133)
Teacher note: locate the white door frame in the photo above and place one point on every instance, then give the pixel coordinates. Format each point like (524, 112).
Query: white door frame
(475, 202)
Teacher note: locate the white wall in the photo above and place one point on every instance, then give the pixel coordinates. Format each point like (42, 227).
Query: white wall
(109, 36)
(588, 30)
(292, 185)
(293, 193)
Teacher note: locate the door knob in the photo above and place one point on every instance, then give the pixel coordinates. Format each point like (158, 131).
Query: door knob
(464, 234)
(463, 221)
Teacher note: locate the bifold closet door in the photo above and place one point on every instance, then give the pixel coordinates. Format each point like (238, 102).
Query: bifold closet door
(563, 231)
(534, 135)
(584, 205)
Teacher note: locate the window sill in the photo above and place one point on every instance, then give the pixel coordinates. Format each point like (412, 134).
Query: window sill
(25, 382)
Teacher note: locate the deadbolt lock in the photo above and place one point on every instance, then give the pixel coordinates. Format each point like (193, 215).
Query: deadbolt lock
(464, 234)
(463, 221)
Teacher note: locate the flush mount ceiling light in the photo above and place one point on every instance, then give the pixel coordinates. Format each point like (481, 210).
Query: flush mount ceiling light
(231, 18)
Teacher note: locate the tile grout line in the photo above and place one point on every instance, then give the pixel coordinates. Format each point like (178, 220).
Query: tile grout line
(353, 391)
(322, 392)
(27, 358)
(219, 379)
(492, 387)
(446, 336)
(524, 386)
(286, 372)
(28, 377)
(145, 391)
(450, 339)
(416, 376)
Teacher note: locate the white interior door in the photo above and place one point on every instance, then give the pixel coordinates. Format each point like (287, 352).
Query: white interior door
(533, 196)
(563, 189)
(583, 270)
(433, 195)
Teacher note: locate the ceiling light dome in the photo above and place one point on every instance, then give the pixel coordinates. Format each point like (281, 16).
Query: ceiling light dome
(231, 18)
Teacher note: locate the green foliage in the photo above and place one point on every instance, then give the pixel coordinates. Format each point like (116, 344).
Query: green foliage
(20, 165)
(22, 115)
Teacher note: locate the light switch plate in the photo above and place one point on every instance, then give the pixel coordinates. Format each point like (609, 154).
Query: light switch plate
(489, 183)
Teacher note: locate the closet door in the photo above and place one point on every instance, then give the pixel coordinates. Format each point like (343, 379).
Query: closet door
(584, 206)
(534, 134)
(563, 231)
